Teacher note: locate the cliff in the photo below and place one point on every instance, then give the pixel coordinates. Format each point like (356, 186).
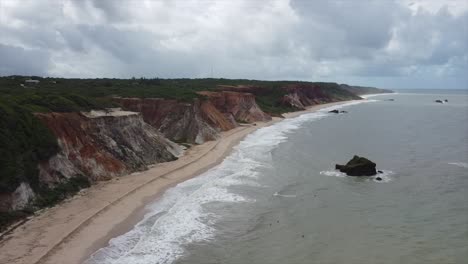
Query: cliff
(290, 96)
(200, 120)
(241, 106)
(100, 145)
(362, 90)
(302, 95)
(194, 122)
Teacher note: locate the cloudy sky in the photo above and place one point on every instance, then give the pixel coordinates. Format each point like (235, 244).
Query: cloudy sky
(385, 43)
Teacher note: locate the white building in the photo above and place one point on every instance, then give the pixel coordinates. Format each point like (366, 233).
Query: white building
(31, 82)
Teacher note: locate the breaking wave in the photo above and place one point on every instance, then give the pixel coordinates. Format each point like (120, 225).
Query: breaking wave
(460, 164)
(385, 175)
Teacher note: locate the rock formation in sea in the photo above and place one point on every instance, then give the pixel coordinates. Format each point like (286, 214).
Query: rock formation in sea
(358, 166)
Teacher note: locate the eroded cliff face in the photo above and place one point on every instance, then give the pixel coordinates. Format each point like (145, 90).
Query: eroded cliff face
(100, 145)
(297, 94)
(200, 120)
(241, 106)
(194, 122)
(303, 95)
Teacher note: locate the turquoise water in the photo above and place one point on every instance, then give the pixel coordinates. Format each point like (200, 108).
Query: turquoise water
(277, 198)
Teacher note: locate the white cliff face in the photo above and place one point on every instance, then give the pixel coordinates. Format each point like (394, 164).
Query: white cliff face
(22, 196)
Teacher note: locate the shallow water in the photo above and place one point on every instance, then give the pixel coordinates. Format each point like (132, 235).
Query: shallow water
(277, 199)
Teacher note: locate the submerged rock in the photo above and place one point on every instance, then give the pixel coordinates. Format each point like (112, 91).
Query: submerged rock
(336, 111)
(439, 101)
(389, 100)
(358, 166)
(446, 100)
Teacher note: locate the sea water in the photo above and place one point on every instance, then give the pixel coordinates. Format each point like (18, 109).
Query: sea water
(278, 199)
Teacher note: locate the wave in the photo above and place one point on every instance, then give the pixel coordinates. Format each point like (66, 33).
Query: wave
(333, 173)
(181, 216)
(285, 195)
(460, 164)
(385, 175)
(366, 96)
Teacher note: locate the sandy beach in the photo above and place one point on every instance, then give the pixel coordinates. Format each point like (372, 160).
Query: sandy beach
(71, 231)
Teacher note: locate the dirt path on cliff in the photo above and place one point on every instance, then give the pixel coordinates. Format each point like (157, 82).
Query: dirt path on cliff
(71, 231)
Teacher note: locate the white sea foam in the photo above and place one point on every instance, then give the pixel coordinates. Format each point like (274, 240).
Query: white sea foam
(385, 175)
(284, 195)
(459, 164)
(180, 217)
(333, 173)
(366, 96)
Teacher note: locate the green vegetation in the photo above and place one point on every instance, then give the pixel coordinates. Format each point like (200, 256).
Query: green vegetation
(24, 142)
(47, 197)
(8, 218)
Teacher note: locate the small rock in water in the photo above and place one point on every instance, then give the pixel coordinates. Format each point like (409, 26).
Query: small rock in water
(343, 112)
(439, 101)
(379, 171)
(334, 111)
(358, 166)
(378, 179)
(446, 100)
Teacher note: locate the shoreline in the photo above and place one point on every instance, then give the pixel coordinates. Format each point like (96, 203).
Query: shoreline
(71, 231)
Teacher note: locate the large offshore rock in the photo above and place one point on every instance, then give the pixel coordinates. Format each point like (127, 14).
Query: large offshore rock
(358, 166)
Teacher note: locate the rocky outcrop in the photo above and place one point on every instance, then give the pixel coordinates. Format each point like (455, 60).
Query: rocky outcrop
(358, 166)
(100, 145)
(335, 111)
(194, 122)
(240, 106)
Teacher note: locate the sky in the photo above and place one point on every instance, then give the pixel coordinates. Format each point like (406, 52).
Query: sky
(394, 44)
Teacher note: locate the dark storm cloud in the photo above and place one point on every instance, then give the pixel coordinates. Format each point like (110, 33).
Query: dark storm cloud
(330, 40)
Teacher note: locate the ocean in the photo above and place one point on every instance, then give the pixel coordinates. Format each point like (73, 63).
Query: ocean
(278, 199)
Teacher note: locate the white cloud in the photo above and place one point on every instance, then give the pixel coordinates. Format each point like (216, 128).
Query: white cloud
(281, 39)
